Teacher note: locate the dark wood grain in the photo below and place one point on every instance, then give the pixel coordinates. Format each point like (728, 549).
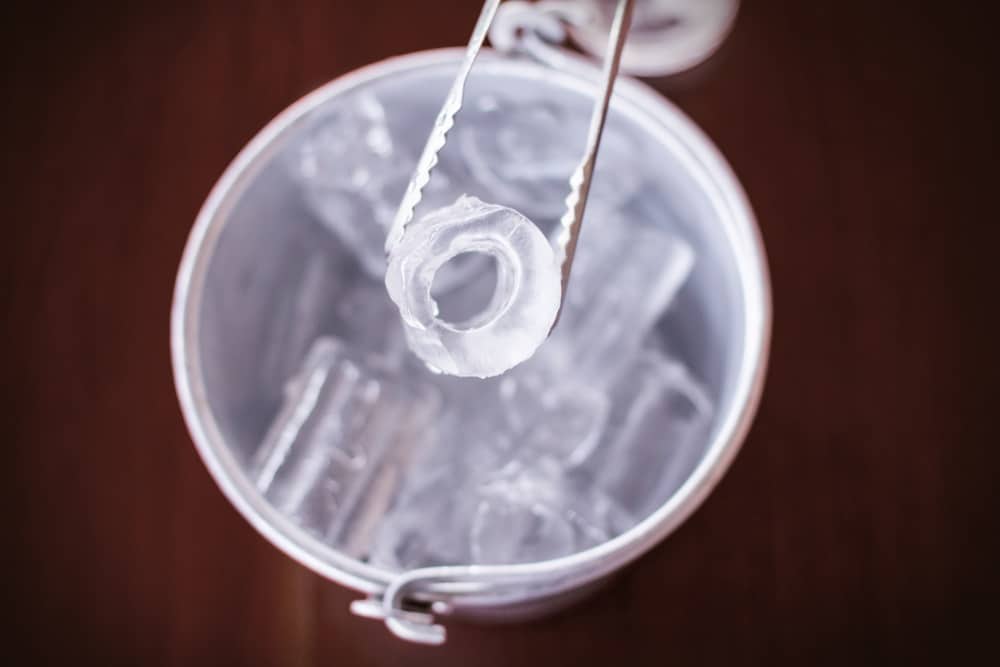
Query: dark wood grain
(859, 523)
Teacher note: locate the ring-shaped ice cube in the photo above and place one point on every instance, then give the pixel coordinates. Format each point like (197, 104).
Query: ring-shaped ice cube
(524, 303)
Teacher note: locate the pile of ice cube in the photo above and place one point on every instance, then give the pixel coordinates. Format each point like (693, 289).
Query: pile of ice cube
(404, 468)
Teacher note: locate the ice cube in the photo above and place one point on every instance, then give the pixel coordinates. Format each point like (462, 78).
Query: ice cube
(523, 305)
(490, 423)
(428, 526)
(656, 433)
(518, 513)
(523, 154)
(353, 176)
(528, 513)
(624, 277)
(509, 529)
(349, 169)
(334, 456)
(549, 418)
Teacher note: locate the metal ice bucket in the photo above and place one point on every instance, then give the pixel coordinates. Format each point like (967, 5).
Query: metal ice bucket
(245, 249)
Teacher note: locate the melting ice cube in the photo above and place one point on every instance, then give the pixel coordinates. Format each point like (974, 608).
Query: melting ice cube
(521, 310)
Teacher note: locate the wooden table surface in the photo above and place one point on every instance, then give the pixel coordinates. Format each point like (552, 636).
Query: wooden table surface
(858, 524)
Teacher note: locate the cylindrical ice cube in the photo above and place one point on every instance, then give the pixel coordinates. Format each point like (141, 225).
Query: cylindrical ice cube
(524, 303)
